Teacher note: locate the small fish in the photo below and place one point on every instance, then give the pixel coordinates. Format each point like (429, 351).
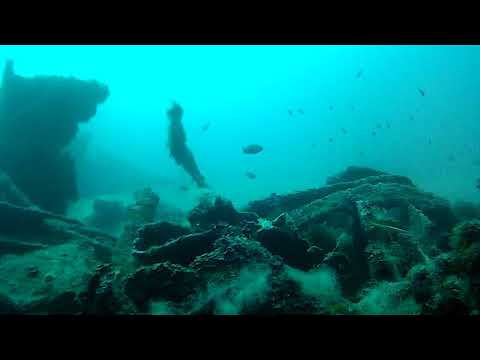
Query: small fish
(252, 149)
(374, 133)
(330, 139)
(290, 112)
(314, 146)
(300, 111)
(352, 108)
(387, 125)
(330, 107)
(379, 126)
(361, 153)
(205, 127)
(411, 117)
(250, 175)
(184, 188)
(429, 141)
(421, 91)
(344, 131)
(451, 158)
(359, 74)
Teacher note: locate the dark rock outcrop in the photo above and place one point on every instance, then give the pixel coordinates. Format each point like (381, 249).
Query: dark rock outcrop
(219, 211)
(287, 245)
(163, 280)
(232, 253)
(39, 117)
(105, 294)
(156, 234)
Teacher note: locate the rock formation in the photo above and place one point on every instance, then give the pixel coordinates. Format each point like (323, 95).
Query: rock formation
(39, 117)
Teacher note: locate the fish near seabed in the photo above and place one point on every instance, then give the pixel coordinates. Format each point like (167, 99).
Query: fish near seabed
(252, 149)
(421, 91)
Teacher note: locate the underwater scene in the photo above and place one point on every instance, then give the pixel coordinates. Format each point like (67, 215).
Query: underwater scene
(240, 180)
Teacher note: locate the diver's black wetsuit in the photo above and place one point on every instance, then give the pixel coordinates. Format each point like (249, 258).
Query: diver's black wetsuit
(178, 147)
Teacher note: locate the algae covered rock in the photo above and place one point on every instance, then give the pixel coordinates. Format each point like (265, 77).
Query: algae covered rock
(105, 293)
(389, 226)
(231, 253)
(163, 280)
(219, 211)
(367, 243)
(275, 204)
(156, 234)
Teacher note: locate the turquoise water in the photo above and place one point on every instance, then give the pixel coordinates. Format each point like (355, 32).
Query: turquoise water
(245, 92)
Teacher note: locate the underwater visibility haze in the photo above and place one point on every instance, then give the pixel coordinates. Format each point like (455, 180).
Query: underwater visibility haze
(240, 179)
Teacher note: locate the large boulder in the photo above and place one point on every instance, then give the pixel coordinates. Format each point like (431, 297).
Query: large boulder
(39, 117)
(160, 281)
(286, 244)
(156, 234)
(230, 254)
(211, 212)
(105, 293)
